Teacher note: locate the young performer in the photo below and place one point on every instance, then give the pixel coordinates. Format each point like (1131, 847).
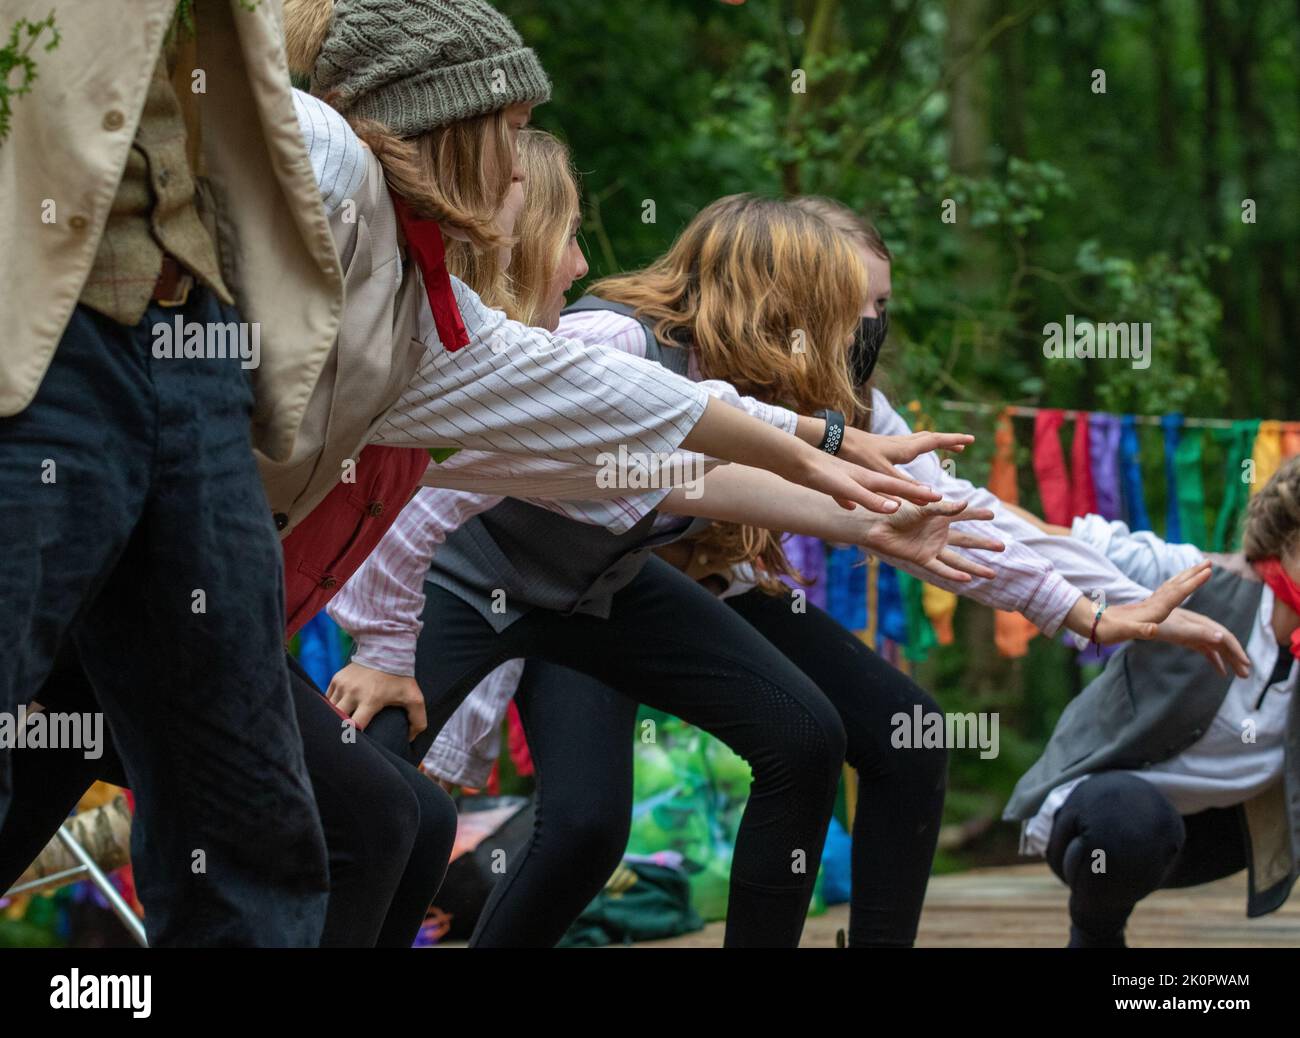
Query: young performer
(547, 915)
(520, 392)
(1048, 578)
(1166, 772)
(587, 792)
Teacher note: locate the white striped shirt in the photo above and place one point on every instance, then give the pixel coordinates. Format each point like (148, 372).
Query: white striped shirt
(381, 605)
(513, 389)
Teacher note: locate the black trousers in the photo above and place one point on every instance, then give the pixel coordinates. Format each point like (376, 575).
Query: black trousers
(1117, 839)
(388, 829)
(672, 645)
(580, 734)
(135, 524)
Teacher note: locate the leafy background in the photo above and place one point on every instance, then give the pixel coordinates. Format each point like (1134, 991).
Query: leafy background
(1117, 206)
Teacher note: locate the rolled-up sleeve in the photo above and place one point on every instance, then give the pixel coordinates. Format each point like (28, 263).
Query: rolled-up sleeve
(1038, 574)
(520, 390)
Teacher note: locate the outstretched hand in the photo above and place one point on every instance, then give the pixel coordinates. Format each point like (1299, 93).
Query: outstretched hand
(852, 485)
(881, 453)
(923, 534)
(1159, 617)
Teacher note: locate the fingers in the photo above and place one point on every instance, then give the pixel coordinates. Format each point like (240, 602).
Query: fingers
(416, 716)
(1188, 580)
(941, 569)
(1235, 655)
(958, 561)
(1219, 645)
(1174, 591)
(945, 507)
(908, 490)
(1215, 661)
(343, 698)
(871, 502)
(961, 539)
(364, 712)
(846, 483)
(908, 448)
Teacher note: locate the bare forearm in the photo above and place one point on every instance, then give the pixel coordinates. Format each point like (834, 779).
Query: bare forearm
(727, 433)
(741, 494)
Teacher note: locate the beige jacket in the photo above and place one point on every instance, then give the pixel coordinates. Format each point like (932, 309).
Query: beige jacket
(68, 146)
(377, 356)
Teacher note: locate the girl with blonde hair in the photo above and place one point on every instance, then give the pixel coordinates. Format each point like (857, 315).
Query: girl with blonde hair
(767, 296)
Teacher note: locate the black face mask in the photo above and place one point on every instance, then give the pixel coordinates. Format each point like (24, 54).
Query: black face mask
(867, 342)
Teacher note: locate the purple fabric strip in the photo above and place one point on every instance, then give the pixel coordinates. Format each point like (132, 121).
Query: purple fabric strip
(808, 556)
(1103, 444)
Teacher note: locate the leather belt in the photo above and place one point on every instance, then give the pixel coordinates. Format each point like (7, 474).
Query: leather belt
(174, 283)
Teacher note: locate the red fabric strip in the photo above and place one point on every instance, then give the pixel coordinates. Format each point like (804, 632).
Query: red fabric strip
(424, 242)
(1083, 497)
(1049, 467)
(1276, 577)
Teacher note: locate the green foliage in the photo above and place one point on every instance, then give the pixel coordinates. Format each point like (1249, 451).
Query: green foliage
(18, 66)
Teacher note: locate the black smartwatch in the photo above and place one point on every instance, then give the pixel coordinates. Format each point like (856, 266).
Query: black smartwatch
(834, 438)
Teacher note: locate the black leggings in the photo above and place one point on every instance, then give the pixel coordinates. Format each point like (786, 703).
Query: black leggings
(1117, 839)
(580, 736)
(672, 645)
(388, 829)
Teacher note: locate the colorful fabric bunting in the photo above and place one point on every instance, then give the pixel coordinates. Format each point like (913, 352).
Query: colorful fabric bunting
(1191, 489)
(1130, 475)
(1173, 426)
(1290, 439)
(1103, 449)
(920, 637)
(846, 587)
(808, 556)
(1049, 467)
(1012, 632)
(1267, 454)
(939, 606)
(1239, 442)
(891, 616)
(1083, 495)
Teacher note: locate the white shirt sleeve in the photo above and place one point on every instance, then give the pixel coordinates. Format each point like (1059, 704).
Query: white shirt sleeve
(381, 605)
(338, 158)
(521, 390)
(1142, 556)
(1045, 573)
(470, 741)
(626, 333)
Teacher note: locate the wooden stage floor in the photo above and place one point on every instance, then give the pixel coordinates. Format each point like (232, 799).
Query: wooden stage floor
(1023, 906)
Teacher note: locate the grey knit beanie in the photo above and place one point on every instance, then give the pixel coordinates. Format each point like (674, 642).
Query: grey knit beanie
(415, 65)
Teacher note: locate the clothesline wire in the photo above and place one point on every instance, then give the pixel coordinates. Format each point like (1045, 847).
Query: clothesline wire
(1029, 412)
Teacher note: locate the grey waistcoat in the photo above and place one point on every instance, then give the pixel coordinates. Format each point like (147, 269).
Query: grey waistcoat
(1152, 702)
(516, 556)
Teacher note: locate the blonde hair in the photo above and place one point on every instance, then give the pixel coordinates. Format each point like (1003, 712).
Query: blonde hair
(456, 174)
(852, 224)
(864, 234)
(767, 295)
(546, 222)
(1272, 525)
(541, 237)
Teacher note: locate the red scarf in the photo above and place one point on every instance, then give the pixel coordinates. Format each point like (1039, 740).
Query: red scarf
(424, 242)
(1285, 589)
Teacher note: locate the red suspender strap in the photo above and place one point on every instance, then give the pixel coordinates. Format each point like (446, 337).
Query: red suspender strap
(424, 242)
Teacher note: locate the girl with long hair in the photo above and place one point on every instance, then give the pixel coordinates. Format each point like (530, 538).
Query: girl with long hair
(789, 267)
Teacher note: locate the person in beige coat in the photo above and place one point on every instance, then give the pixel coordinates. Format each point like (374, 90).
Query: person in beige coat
(153, 176)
